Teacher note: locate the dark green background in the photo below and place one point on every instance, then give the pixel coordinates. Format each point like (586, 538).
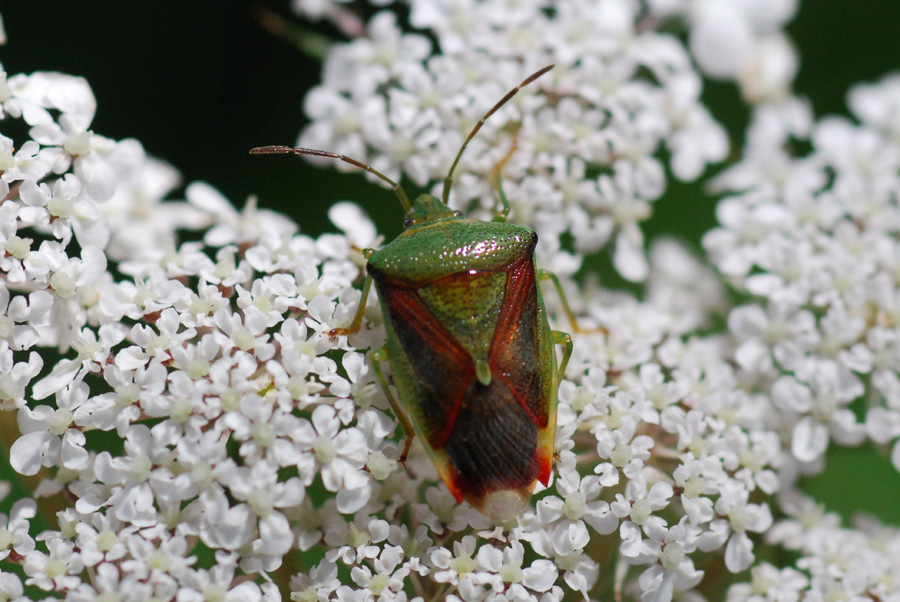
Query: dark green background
(200, 82)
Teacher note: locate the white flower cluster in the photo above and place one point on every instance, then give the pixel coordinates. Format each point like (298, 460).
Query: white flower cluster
(835, 563)
(588, 136)
(813, 241)
(739, 40)
(184, 394)
(211, 363)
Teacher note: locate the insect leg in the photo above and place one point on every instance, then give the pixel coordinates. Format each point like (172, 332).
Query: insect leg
(379, 357)
(503, 214)
(545, 275)
(573, 321)
(360, 311)
(563, 338)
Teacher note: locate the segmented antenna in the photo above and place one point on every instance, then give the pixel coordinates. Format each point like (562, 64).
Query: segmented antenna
(401, 194)
(296, 150)
(449, 179)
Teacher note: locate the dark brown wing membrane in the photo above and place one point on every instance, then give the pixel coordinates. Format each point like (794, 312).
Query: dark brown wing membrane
(493, 443)
(443, 369)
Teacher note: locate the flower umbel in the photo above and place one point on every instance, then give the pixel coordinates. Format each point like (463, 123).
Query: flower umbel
(255, 456)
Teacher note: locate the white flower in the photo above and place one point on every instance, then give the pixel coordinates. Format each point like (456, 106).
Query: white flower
(103, 539)
(823, 400)
(155, 554)
(58, 569)
(769, 581)
(388, 579)
(352, 543)
(19, 314)
(624, 451)
(741, 517)
(49, 436)
(340, 453)
(673, 569)
(262, 495)
(15, 376)
(566, 517)
(784, 334)
(14, 536)
(637, 507)
(320, 582)
(11, 586)
(740, 40)
(459, 568)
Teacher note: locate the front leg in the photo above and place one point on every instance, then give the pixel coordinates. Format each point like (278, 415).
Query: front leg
(356, 324)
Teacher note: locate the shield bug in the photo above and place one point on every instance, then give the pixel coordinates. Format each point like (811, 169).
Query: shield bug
(468, 340)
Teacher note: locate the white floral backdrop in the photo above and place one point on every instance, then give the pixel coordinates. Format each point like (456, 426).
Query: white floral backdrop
(168, 366)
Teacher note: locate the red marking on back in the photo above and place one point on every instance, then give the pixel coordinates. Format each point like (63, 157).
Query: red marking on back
(453, 485)
(519, 283)
(406, 304)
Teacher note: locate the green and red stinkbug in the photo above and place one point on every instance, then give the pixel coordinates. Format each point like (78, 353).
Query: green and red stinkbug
(468, 340)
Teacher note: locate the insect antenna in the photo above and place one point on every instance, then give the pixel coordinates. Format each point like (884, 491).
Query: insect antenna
(449, 179)
(296, 150)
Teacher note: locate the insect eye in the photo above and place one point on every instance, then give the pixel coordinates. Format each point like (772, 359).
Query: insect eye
(408, 222)
(457, 214)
